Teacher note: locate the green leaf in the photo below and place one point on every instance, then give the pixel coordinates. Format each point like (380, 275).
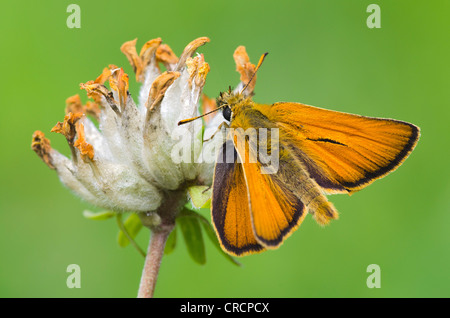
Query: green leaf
(210, 232)
(200, 195)
(171, 242)
(192, 233)
(207, 205)
(132, 225)
(103, 215)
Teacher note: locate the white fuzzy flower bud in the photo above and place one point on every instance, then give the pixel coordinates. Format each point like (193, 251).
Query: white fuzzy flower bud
(127, 164)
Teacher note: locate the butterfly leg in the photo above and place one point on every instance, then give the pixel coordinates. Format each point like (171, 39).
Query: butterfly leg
(219, 129)
(207, 189)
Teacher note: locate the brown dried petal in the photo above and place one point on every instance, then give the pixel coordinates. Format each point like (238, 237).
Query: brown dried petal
(208, 104)
(197, 69)
(95, 91)
(86, 150)
(67, 128)
(244, 67)
(202, 71)
(159, 87)
(104, 76)
(189, 50)
(165, 55)
(92, 109)
(140, 62)
(73, 104)
(118, 81)
(148, 50)
(129, 49)
(42, 147)
(191, 66)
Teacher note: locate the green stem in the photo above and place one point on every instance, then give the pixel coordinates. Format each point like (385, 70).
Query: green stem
(128, 236)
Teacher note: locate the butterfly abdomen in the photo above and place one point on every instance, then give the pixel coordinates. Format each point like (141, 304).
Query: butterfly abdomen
(313, 198)
(295, 176)
(323, 210)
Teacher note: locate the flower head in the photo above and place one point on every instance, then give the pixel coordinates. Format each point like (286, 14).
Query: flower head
(126, 164)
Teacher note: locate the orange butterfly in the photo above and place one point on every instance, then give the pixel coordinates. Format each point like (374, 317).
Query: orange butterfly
(319, 152)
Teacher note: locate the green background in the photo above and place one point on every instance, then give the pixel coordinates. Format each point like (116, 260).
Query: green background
(321, 53)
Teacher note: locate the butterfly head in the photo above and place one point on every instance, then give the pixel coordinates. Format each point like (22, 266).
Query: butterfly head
(228, 102)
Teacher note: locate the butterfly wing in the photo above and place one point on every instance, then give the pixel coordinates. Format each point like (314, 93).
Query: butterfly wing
(252, 211)
(275, 203)
(230, 211)
(343, 152)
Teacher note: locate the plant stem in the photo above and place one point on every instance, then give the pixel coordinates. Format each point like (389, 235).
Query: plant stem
(153, 259)
(128, 236)
(161, 223)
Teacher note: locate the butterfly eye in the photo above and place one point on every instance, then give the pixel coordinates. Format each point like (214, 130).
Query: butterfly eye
(227, 113)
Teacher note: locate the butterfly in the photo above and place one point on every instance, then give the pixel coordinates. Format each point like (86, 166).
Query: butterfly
(319, 152)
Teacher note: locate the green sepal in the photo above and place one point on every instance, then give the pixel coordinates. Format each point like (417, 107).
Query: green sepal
(98, 216)
(132, 225)
(200, 196)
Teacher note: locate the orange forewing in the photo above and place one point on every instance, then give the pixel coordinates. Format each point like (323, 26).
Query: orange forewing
(343, 152)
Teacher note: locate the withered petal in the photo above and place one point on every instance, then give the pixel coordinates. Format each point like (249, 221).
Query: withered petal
(42, 147)
(189, 50)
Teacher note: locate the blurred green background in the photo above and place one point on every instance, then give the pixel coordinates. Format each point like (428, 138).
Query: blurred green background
(321, 53)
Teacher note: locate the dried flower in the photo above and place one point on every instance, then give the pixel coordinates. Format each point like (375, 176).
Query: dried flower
(127, 165)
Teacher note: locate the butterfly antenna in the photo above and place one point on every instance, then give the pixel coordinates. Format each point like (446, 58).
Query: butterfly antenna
(185, 121)
(261, 59)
